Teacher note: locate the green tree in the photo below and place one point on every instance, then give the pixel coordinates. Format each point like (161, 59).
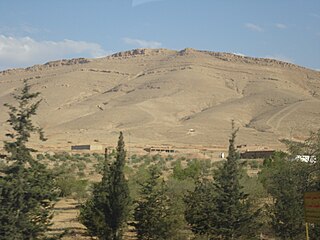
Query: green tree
(27, 190)
(105, 214)
(193, 170)
(177, 189)
(234, 216)
(225, 211)
(153, 214)
(200, 207)
(286, 179)
(309, 147)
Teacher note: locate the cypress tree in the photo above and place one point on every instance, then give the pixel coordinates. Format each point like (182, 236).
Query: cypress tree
(105, 214)
(153, 214)
(219, 208)
(199, 208)
(233, 216)
(26, 187)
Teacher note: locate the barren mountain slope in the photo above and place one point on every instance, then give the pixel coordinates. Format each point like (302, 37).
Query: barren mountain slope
(157, 96)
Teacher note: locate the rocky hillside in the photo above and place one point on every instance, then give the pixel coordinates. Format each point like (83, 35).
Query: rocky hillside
(170, 97)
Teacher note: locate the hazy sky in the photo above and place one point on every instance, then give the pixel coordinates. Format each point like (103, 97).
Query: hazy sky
(37, 31)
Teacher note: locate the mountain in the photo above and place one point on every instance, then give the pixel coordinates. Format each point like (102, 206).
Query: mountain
(162, 96)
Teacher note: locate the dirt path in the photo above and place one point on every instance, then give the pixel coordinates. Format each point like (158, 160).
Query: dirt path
(65, 220)
(278, 117)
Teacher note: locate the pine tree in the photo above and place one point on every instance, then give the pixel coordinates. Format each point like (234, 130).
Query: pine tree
(26, 187)
(219, 208)
(105, 214)
(153, 215)
(199, 208)
(233, 215)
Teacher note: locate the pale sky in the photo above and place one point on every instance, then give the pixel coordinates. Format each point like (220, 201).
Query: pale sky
(38, 31)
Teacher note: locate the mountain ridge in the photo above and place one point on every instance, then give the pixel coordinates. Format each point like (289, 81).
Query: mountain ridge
(145, 51)
(158, 95)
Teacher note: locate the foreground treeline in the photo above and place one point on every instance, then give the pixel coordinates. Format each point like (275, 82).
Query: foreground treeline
(203, 200)
(153, 197)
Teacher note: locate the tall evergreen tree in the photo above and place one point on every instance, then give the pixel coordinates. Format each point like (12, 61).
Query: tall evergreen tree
(153, 215)
(199, 208)
(105, 214)
(219, 208)
(26, 186)
(233, 216)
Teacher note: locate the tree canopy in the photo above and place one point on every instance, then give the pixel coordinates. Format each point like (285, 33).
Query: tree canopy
(219, 208)
(105, 214)
(27, 189)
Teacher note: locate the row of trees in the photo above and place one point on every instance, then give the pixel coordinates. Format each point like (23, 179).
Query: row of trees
(217, 208)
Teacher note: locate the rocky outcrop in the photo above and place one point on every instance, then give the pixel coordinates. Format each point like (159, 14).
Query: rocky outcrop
(139, 52)
(51, 64)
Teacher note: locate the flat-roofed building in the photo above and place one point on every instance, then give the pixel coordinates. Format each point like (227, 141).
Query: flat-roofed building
(160, 149)
(88, 147)
(256, 154)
